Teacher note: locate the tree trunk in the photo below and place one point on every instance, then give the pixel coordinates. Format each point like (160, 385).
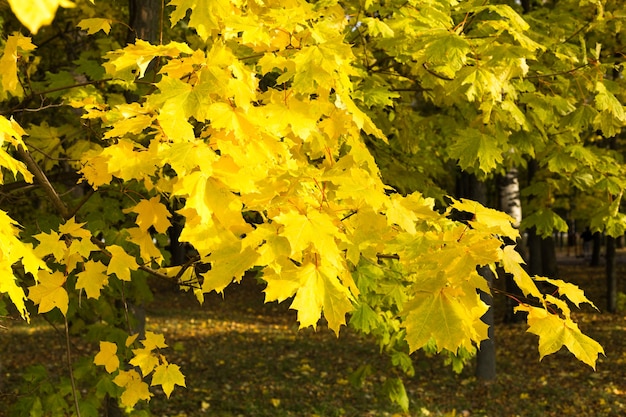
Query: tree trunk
(535, 262)
(611, 276)
(510, 203)
(144, 20)
(468, 186)
(595, 253)
(549, 266)
(486, 356)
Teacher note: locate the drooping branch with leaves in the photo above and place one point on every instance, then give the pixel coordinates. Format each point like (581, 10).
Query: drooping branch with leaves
(251, 120)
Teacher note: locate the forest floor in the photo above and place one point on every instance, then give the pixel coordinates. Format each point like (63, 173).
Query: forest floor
(244, 358)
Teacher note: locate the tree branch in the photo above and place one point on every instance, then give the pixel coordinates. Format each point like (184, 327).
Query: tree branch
(41, 178)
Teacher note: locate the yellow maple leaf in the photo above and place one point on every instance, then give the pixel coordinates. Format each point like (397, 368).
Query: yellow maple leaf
(135, 389)
(320, 290)
(154, 341)
(50, 244)
(74, 229)
(49, 293)
(445, 314)
(147, 249)
(121, 263)
(92, 279)
(83, 247)
(488, 219)
(94, 25)
(555, 332)
(37, 13)
(145, 359)
(12, 133)
(168, 375)
(13, 48)
(107, 357)
(139, 55)
(151, 213)
(316, 229)
(228, 262)
(95, 168)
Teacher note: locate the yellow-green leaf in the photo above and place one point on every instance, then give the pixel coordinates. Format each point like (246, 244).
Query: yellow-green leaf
(37, 13)
(555, 332)
(168, 375)
(107, 357)
(49, 292)
(135, 389)
(121, 263)
(94, 25)
(92, 279)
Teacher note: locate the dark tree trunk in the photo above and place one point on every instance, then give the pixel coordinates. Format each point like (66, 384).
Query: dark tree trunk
(468, 186)
(535, 261)
(486, 356)
(611, 276)
(595, 253)
(145, 20)
(549, 267)
(176, 248)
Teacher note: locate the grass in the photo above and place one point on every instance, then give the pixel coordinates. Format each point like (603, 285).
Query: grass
(244, 358)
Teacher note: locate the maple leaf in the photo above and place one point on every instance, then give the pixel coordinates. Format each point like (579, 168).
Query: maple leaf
(121, 263)
(320, 290)
(82, 247)
(74, 229)
(151, 213)
(204, 14)
(145, 359)
(139, 55)
(472, 146)
(314, 228)
(107, 357)
(512, 262)
(49, 293)
(571, 291)
(154, 341)
(487, 219)
(168, 375)
(50, 243)
(148, 250)
(14, 46)
(135, 389)
(555, 332)
(444, 316)
(94, 25)
(37, 13)
(228, 263)
(92, 279)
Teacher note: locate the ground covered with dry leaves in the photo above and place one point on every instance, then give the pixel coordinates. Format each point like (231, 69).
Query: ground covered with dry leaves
(244, 358)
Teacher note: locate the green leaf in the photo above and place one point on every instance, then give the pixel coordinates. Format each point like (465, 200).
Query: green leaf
(394, 387)
(474, 149)
(546, 222)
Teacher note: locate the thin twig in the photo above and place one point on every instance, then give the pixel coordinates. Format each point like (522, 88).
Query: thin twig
(68, 352)
(44, 182)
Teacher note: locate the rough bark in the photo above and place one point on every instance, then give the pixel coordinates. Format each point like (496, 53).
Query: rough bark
(145, 20)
